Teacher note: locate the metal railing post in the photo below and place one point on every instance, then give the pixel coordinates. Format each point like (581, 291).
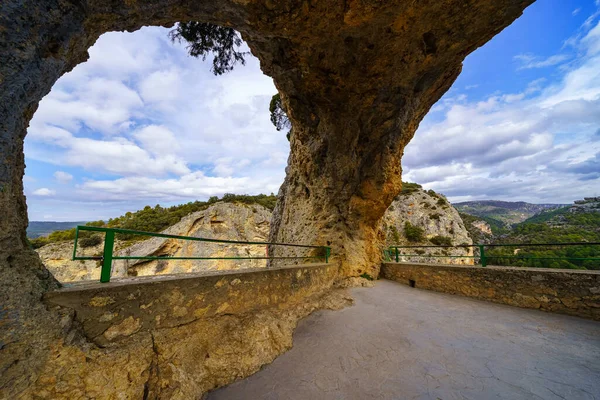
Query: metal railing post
(397, 255)
(76, 238)
(107, 256)
(482, 257)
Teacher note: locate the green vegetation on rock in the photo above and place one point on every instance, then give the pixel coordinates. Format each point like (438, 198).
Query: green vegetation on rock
(366, 276)
(91, 241)
(507, 212)
(409, 187)
(204, 38)
(545, 216)
(153, 219)
(558, 226)
(413, 233)
(497, 227)
(441, 240)
(395, 234)
(279, 116)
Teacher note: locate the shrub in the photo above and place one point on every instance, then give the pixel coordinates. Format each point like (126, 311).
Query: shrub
(366, 276)
(39, 242)
(408, 188)
(90, 241)
(441, 240)
(157, 218)
(413, 233)
(395, 234)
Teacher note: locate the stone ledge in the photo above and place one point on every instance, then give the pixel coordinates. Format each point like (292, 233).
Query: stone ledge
(500, 268)
(112, 311)
(573, 292)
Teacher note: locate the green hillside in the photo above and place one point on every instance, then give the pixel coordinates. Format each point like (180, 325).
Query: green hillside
(507, 212)
(152, 219)
(497, 227)
(558, 226)
(547, 216)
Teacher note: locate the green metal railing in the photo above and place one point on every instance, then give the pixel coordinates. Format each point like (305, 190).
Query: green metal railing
(109, 242)
(393, 253)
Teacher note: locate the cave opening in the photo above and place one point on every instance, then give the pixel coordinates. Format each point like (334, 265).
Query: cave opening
(148, 119)
(353, 110)
(141, 122)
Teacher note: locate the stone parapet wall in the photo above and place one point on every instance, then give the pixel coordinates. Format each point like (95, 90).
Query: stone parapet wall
(109, 312)
(176, 337)
(572, 292)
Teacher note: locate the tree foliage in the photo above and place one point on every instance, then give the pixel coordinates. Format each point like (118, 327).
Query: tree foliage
(440, 240)
(559, 226)
(413, 233)
(497, 227)
(152, 219)
(91, 241)
(203, 38)
(279, 116)
(408, 188)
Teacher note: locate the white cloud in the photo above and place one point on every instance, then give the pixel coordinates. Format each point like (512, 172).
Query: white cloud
(98, 104)
(539, 145)
(63, 177)
(44, 192)
(157, 139)
(161, 87)
(591, 41)
(191, 186)
(142, 114)
(146, 123)
(123, 157)
(528, 61)
(576, 11)
(117, 155)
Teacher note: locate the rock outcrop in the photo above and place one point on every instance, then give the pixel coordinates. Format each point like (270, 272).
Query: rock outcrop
(481, 231)
(483, 227)
(436, 218)
(356, 76)
(587, 205)
(212, 332)
(242, 222)
(57, 257)
(229, 221)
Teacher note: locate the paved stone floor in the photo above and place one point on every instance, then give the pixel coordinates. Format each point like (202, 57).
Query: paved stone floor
(397, 342)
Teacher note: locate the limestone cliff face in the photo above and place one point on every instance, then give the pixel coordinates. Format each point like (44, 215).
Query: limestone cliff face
(432, 213)
(57, 257)
(229, 221)
(587, 205)
(482, 226)
(357, 78)
(242, 222)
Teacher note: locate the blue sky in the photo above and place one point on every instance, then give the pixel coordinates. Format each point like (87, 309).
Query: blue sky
(143, 123)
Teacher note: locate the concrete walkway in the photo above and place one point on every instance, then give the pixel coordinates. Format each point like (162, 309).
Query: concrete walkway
(398, 342)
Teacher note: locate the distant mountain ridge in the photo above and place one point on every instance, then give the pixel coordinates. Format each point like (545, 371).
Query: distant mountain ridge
(43, 228)
(575, 223)
(507, 212)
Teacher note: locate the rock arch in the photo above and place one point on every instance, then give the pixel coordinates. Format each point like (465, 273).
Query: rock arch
(357, 77)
